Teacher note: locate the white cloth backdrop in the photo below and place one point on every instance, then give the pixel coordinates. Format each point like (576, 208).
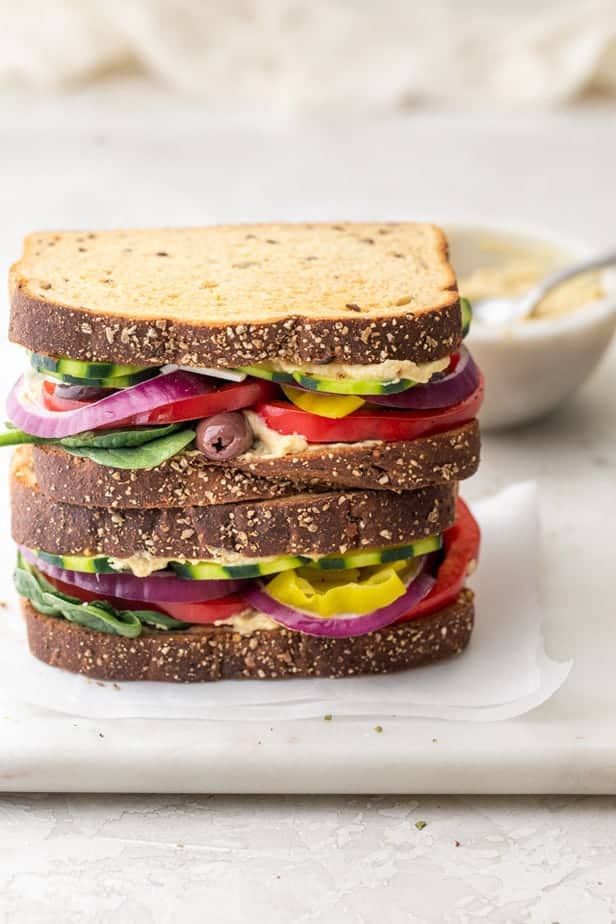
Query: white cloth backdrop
(296, 54)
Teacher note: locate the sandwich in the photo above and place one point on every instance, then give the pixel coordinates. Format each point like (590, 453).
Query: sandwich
(239, 449)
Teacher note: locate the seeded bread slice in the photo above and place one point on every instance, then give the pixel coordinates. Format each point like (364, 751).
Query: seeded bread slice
(236, 295)
(302, 524)
(403, 465)
(190, 479)
(207, 653)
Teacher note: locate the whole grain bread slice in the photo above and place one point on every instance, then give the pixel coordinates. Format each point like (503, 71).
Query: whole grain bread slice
(238, 294)
(403, 465)
(308, 523)
(207, 653)
(190, 479)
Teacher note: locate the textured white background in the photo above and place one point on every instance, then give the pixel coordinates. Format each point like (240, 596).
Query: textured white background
(295, 860)
(351, 860)
(297, 55)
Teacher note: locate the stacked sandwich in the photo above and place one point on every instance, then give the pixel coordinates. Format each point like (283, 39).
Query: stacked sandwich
(239, 451)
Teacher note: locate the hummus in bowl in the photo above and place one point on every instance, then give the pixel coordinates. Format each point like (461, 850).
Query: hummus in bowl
(515, 267)
(574, 322)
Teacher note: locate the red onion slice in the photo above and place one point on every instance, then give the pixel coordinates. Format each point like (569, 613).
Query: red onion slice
(161, 587)
(445, 392)
(26, 414)
(340, 626)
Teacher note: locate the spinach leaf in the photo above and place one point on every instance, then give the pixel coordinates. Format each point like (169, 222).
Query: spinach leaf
(159, 620)
(28, 586)
(139, 448)
(99, 615)
(136, 448)
(15, 437)
(147, 456)
(94, 616)
(118, 439)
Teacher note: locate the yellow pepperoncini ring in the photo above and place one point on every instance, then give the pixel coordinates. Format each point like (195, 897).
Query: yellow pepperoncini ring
(332, 406)
(329, 593)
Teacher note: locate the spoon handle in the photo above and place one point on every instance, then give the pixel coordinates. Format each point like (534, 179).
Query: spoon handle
(539, 291)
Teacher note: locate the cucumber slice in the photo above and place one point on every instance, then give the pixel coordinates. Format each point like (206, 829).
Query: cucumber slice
(283, 378)
(121, 381)
(91, 564)
(195, 571)
(83, 370)
(467, 315)
(333, 386)
(211, 571)
(351, 386)
(364, 558)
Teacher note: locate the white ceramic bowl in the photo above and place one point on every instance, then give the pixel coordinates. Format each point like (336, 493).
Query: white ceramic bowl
(533, 366)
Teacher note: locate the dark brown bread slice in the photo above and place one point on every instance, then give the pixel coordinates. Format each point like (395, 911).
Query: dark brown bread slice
(191, 479)
(302, 524)
(398, 466)
(235, 295)
(207, 653)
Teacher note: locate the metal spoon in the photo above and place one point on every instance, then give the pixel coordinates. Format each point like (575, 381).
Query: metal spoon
(502, 310)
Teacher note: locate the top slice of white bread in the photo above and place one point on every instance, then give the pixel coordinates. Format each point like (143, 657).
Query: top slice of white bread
(258, 291)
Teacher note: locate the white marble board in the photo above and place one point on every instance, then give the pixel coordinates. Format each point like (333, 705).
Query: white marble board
(73, 164)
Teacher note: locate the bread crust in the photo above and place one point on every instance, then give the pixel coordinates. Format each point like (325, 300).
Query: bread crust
(209, 653)
(190, 479)
(45, 326)
(277, 304)
(403, 465)
(317, 523)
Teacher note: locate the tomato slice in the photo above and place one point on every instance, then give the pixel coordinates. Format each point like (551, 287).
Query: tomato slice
(369, 423)
(229, 397)
(461, 544)
(53, 402)
(206, 612)
(185, 612)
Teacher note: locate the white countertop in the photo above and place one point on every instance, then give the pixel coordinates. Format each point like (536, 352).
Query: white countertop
(340, 859)
(294, 860)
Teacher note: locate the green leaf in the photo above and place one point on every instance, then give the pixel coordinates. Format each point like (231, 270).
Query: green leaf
(99, 615)
(128, 448)
(137, 457)
(15, 437)
(159, 620)
(117, 439)
(94, 616)
(27, 586)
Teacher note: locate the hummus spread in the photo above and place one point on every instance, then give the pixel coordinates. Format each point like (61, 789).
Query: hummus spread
(269, 443)
(247, 622)
(388, 371)
(512, 268)
(143, 565)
